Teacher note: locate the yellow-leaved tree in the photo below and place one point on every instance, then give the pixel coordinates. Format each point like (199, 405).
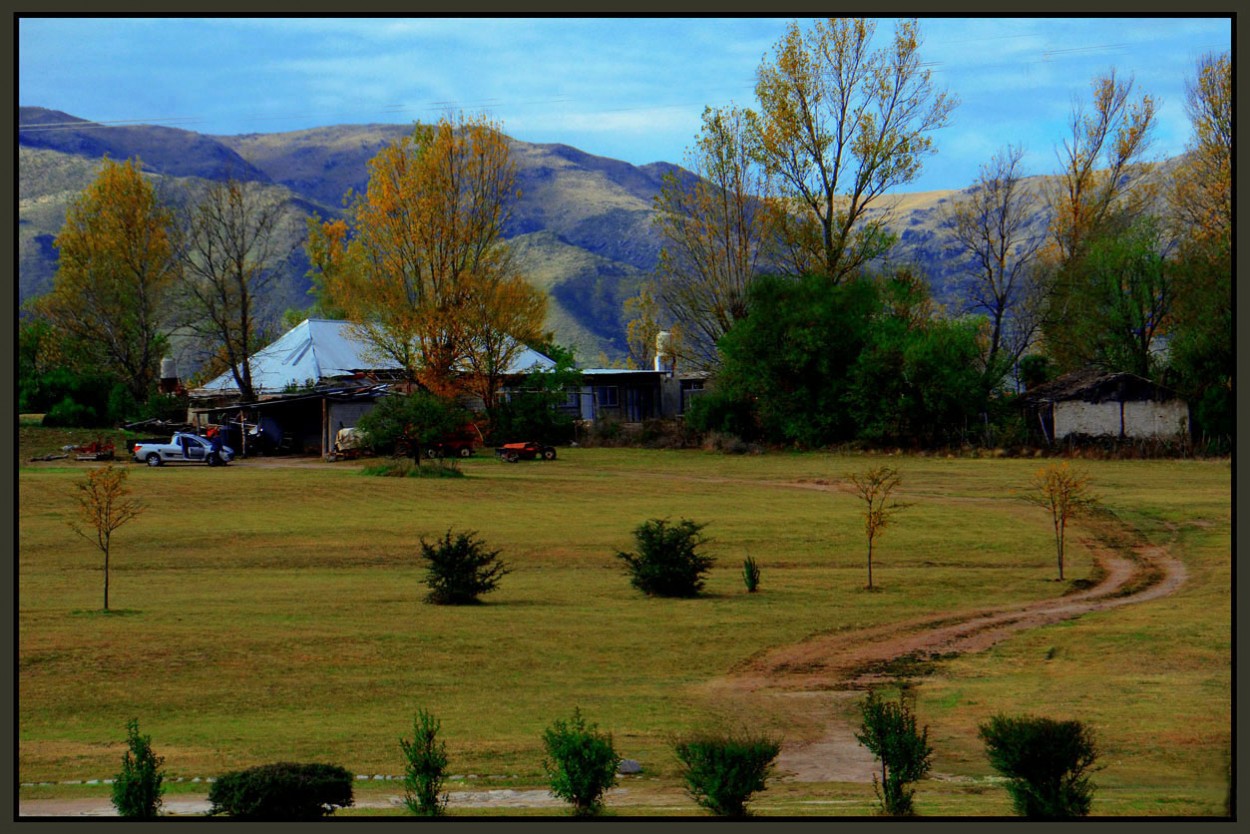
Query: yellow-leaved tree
(421, 268)
(116, 264)
(839, 123)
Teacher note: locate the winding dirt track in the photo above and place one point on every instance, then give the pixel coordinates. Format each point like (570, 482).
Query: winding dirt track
(833, 666)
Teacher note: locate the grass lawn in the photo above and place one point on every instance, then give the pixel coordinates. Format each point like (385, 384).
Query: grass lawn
(266, 613)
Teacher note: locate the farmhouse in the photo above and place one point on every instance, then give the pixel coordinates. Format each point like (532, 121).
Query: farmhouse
(315, 379)
(1097, 404)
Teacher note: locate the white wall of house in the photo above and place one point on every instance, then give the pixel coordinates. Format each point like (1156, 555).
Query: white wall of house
(1142, 418)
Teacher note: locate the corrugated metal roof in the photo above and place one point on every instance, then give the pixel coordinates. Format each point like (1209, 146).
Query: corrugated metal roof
(321, 349)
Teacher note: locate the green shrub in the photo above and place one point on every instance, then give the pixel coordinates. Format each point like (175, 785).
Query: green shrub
(889, 732)
(1046, 761)
(723, 771)
(281, 791)
(751, 574)
(667, 563)
(69, 414)
(581, 764)
(460, 570)
(137, 788)
(425, 767)
(407, 468)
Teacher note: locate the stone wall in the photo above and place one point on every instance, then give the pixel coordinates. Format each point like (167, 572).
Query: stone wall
(1144, 418)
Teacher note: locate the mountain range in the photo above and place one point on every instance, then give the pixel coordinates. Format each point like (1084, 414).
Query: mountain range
(582, 228)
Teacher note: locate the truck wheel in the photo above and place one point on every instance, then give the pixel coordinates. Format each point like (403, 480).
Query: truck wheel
(511, 457)
(433, 454)
(153, 459)
(549, 454)
(465, 451)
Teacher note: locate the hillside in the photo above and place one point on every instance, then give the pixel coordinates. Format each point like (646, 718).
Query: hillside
(582, 226)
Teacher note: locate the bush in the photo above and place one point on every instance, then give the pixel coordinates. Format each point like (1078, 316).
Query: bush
(282, 791)
(137, 788)
(407, 468)
(425, 767)
(751, 574)
(722, 772)
(581, 764)
(461, 569)
(1046, 762)
(666, 563)
(889, 732)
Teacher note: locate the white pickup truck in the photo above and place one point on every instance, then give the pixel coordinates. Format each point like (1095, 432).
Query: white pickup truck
(183, 448)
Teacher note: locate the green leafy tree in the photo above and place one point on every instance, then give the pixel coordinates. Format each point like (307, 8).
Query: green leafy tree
(667, 562)
(531, 410)
(411, 423)
(460, 570)
(1047, 763)
(888, 731)
(425, 767)
(581, 763)
(722, 772)
(138, 788)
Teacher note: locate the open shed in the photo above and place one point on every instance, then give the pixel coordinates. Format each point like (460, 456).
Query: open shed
(1099, 404)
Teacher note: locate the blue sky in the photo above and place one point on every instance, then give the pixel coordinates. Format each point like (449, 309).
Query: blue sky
(630, 89)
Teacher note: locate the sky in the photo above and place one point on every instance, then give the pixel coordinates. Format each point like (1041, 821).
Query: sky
(627, 88)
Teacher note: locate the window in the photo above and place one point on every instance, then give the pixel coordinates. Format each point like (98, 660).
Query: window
(607, 396)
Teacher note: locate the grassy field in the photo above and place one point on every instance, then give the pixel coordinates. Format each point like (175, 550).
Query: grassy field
(266, 612)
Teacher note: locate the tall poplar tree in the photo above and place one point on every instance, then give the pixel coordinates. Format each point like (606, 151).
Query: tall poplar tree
(117, 262)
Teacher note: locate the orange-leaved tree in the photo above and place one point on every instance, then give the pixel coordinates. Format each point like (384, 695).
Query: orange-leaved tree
(103, 506)
(875, 487)
(423, 255)
(1064, 492)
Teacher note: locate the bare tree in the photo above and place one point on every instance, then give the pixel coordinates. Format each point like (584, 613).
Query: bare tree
(103, 506)
(875, 487)
(714, 226)
(993, 224)
(230, 255)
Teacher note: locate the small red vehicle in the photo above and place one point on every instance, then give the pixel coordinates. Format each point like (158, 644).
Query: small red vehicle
(512, 452)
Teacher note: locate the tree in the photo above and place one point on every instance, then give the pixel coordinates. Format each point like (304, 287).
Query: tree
(581, 763)
(722, 772)
(874, 487)
(1064, 493)
(461, 570)
(421, 269)
(103, 506)
(1201, 343)
(1104, 175)
(425, 767)
(1047, 763)
(715, 226)
(229, 260)
(411, 423)
(501, 319)
(993, 225)
(668, 563)
(889, 732)
(137, 789)
(643, 327)
(838, 125)
(116, 264)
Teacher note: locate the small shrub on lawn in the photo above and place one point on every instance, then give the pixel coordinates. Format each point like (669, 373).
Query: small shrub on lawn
(581, 764)
(137, 788)
(460, 569)
(667, 563)
(751, 574)
(406, 468)
(425, 767)
(722, 771)
(281, 791)
(889, 732)
(1047, 763)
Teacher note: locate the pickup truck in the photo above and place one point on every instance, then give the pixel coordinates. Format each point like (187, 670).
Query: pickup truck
(182, 448)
